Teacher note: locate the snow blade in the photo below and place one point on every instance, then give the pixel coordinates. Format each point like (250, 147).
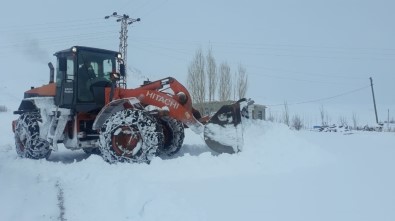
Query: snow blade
(224, 133)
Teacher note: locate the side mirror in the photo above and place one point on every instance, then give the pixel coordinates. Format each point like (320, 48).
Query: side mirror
(122, 70)
(63, 64)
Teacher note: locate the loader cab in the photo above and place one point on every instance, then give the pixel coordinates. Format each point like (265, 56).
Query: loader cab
(82, 74)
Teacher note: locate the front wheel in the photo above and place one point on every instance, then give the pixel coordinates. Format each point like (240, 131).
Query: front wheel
(27, 138)
(174, 135)
(130, 135)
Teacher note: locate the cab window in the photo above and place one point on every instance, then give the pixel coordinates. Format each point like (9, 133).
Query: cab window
(65, 69)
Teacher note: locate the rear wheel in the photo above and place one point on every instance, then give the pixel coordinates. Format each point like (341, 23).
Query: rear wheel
(27, 138)
(174, 136)
(130, 136)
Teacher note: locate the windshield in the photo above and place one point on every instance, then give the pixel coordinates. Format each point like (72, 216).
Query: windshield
(101, 65)
(92, 67)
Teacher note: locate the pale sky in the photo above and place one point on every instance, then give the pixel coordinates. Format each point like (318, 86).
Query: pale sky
(294, 51)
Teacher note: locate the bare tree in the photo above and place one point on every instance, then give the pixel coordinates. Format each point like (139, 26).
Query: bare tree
(328, 119)
(242, 82)
(286, 114)
(234, 86)
(343, 121)
(322, 114)
(225, 82)
(296, 122)
(270, 117)
(211, 71)
(196, 79)
(354, 120)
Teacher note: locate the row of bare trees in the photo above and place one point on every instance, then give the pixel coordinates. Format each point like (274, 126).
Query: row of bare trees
(208, 81)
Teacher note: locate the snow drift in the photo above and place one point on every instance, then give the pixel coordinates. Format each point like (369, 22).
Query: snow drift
(280, 175)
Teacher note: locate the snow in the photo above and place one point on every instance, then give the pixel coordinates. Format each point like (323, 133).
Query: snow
(281, 174)
(228, 135)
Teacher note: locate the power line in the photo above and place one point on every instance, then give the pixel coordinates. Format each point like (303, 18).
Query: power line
(259, 49)
(306, 73)
(47, 24)
(290, 78)
(50, 26)
(322, 99)
(252, 45)
(153, 9)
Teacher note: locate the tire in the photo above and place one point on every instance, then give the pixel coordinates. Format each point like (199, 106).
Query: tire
(130, 135)
(174, 136)
(27, 138)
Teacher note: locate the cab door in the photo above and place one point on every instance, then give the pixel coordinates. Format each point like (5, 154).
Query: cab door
(65, 78)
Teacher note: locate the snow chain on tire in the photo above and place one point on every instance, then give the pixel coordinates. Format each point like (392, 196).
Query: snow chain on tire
(130, 135)
(174, 135)
(27, 137)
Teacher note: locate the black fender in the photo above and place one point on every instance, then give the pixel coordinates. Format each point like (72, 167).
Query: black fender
(26, 106)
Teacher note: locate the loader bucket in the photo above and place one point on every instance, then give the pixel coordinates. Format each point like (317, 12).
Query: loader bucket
(224, 132)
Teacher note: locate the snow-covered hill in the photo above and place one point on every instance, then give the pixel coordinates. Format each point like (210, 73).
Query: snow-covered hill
(280, 175)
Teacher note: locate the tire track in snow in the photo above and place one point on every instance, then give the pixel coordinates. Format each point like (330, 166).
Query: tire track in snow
(60, 197)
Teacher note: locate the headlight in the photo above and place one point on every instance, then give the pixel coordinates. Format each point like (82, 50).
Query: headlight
(74, 49)
(119, 56)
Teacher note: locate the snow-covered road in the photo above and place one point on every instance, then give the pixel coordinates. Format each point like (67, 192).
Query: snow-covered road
(280, 175)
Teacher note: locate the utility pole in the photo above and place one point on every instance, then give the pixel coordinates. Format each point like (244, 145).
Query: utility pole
(123, 38)
(374, 100)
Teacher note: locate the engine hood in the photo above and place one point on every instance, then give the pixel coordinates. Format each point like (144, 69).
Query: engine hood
(48, 90)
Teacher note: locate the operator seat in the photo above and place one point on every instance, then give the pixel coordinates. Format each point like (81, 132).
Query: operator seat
(85, 74)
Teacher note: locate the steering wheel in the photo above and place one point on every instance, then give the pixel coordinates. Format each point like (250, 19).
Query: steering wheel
(98, 82)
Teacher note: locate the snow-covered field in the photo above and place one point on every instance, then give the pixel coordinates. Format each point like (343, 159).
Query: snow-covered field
(280, 175)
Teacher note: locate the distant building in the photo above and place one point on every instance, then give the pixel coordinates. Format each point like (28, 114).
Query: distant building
(255, 111)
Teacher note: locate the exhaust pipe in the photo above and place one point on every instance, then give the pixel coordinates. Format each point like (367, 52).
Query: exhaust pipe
(51, 72)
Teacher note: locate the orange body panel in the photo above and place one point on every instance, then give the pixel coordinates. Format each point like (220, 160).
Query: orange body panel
(150, 94)
(45, 90)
